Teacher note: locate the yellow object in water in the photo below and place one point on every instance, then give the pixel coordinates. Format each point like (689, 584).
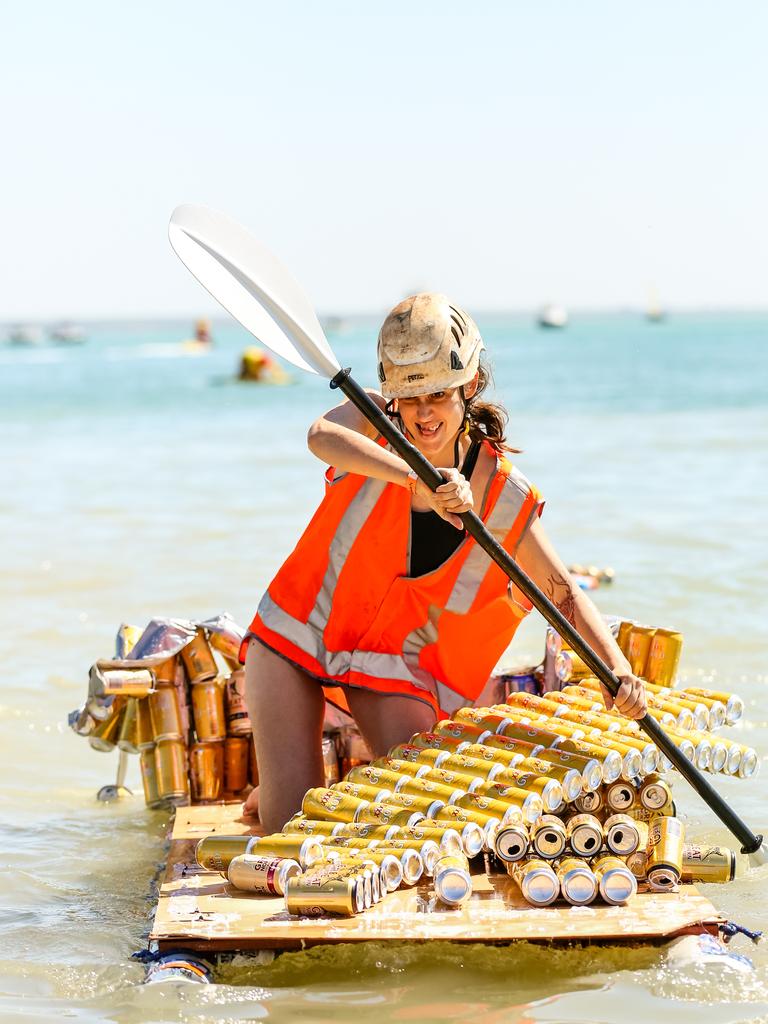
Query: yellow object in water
(257, 365)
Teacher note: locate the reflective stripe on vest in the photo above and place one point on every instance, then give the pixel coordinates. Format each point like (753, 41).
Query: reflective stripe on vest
(394, 632)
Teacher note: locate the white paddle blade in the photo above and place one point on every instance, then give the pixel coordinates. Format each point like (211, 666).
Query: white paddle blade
(251, 285)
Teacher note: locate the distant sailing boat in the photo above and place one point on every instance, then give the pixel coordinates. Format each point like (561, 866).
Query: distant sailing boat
(654, 310)
(552, 315)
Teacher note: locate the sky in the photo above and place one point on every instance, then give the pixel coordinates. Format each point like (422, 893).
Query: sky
(508, 153)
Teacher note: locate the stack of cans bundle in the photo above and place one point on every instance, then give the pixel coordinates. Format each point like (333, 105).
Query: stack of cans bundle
(174, 694)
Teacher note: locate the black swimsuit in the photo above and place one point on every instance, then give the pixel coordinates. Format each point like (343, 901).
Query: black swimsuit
(433, 540)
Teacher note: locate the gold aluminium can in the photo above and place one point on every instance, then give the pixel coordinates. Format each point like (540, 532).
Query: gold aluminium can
(171, 767)
(434, 741)
(505, 812)
(708, 863)
(164, 714)
(655, 793)
(144, 733)
(374, 776)
(622, 835)
(446, 777)
(616, 882)
(360, 830)
(622, 637)
(590, 803)
(206, 771)
(307, 850)
(664, 657)
(331, 805)
(316, 897)
(451, 814)
(266, 876)
(531, 803)
(452, 880)
(734, 705)
(198, 658)
(216, 852)
(548, 837)
(426, 804)
(511, 843)
(471, 767)
(427, 849)
(525, 733)
(148, 767)
(644, 815)
(126, 639)
(165, 671)
(310, 826)
(448, 840)
(208, 710)
(427, 788)
(409, 752)
(548, 789)
(568, 666)
(620, 796)
(585, 834)
(389, 814)
(637, 863)
(538, 882)
(236, 763)
(638, 648)
(127, 682)
(103, 736)
(127, 737)
(665, 853)
(392, 764)
(356, 789)
(470, 723)
(238, 720)
(578, 882)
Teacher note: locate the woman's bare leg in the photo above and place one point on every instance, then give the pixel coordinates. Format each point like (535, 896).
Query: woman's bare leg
(286, 708)
(386, 721)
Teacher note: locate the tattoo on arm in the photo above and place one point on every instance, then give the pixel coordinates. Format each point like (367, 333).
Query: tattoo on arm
(561, 595)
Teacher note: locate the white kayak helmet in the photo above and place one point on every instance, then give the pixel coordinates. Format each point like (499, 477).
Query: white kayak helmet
(426, 344)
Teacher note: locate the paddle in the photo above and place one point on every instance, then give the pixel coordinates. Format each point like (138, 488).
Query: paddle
(259, 292)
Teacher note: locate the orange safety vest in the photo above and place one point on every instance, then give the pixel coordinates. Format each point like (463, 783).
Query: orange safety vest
(343, 609)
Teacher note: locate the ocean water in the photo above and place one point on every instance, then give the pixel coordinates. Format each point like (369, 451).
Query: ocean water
(137, 480)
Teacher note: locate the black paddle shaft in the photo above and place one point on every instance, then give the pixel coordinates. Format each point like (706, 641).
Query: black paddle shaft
(475, 528)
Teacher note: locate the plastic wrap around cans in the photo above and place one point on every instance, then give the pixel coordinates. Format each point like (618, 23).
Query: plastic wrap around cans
(198, 658)
(452, 880)
(206, 771)
(331, 805)
(622, 835)
(590, 802)
(208, 710)
(171, 769)
(148, 767)
(216, 853)
(585, 834)
(266, 876)
(447, 840)
(236, 709)
(616, 882)
(620, 796)
(538, 883)
(578, 882)
(548, 837)
(388, 814)
(236, 755)
(307, 850)
(622, 637)
(666, 837)
(654, 793)
(664, 657)
(707, 863)
(307, 897)
(165, 714)
(511, 843)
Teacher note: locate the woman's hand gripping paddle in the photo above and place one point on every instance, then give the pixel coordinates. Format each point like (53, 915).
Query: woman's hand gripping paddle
(259, 292)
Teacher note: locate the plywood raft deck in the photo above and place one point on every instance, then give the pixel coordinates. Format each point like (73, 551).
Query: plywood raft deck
(199, 910)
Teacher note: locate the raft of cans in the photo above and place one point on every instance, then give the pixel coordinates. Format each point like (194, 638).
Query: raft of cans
(184, 715)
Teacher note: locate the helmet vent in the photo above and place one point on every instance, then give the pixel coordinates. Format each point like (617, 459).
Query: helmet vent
(382, 375)
(458, 318)
(456, 335)
(456, 363)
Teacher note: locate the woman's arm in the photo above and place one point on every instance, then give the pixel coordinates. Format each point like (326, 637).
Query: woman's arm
(539, 560)
(345, 439)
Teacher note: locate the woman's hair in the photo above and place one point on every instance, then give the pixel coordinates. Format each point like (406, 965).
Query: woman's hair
(487, 420)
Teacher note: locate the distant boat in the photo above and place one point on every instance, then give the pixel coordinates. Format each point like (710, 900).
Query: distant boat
(68, 334)
(25, 334)
(552, 315)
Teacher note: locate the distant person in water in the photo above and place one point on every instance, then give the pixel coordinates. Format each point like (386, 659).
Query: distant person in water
(203, 332)
(386, 607)
(256, 364)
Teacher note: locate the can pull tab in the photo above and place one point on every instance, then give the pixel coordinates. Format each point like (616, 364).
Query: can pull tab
(730, 928)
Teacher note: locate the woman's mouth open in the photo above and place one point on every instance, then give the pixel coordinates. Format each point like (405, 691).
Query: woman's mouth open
(428, 431)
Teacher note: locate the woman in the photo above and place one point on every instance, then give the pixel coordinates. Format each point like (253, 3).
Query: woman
(385, 598)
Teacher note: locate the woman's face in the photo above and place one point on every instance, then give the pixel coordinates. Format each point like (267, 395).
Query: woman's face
(433, 421)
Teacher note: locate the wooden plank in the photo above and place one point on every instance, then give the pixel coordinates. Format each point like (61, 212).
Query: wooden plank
(199, 910)
(213, 819)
